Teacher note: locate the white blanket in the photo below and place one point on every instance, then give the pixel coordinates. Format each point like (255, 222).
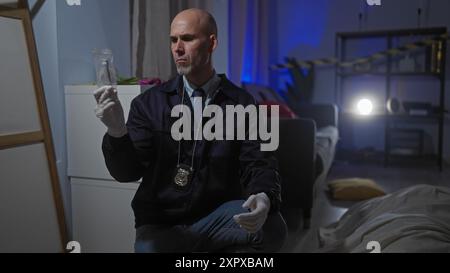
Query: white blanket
(415, 219)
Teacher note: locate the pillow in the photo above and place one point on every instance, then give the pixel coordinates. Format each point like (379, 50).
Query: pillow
(285, 111)
(355, 189)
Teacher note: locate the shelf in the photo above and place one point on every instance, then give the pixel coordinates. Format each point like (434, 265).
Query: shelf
(416, 117)
(387, 73)
(398, 32)
(394, 74)
(391, 119)
(390, 116)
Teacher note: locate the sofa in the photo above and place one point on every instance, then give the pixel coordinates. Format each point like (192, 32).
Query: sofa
(305, 155)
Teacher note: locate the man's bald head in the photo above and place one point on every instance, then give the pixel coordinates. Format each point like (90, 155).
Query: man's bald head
(193, 36)
(201, 18)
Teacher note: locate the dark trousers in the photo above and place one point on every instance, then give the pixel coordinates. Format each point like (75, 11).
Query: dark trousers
(217, 232)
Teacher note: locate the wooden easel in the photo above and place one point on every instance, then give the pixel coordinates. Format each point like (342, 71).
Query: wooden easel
(31, 208)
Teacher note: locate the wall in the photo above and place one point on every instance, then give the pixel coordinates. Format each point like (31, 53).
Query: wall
(306, 30)
(65, 36)
(94, 24)
(45, 31)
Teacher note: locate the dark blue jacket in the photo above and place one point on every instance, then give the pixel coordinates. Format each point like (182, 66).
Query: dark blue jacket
(224, 170)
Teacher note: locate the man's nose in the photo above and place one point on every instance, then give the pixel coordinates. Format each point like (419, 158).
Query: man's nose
(179, 47)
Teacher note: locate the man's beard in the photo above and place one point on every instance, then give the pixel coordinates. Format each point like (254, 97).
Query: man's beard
(188, 69)
(184, 70)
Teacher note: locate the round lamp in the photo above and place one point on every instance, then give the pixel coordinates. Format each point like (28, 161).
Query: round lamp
(364, 107)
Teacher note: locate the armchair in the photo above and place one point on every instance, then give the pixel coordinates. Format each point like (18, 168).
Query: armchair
(305, 154)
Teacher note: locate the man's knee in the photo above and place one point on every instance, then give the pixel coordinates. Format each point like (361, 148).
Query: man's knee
(233, 207)
(274, 231)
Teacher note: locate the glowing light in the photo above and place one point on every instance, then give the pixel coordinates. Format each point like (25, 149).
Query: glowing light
(364, 107)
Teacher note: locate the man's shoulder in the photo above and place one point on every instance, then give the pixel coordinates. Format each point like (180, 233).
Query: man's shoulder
(239, 94)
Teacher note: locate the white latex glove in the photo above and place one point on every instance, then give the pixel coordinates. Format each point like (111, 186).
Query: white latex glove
(259, 205)
(110, 111)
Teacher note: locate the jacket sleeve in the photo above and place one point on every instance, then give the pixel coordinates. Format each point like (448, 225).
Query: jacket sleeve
(259, 169)
(128, 157)
(259, 173)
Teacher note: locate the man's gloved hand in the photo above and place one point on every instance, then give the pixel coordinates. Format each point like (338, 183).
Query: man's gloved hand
(259, 205)
(110, 111)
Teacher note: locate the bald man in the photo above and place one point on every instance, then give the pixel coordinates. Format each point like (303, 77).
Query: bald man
(195, 195)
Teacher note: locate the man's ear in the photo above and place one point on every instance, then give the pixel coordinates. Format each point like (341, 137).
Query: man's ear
(213, 43)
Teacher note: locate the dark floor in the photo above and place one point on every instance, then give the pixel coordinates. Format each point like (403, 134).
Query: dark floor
(398, 175)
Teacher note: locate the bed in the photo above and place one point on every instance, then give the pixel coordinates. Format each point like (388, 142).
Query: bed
(411, 220)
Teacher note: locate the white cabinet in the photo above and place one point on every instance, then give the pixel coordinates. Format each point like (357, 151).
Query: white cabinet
(103, 220)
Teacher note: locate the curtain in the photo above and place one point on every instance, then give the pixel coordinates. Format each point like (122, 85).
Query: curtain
(252, 23)
(151, 55)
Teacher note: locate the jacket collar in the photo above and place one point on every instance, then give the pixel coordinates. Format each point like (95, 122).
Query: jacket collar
(226, 87)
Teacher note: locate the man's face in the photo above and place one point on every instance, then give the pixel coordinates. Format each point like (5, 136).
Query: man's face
(190, 45)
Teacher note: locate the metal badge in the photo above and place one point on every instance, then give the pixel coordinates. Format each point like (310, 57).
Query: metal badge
(183, 175)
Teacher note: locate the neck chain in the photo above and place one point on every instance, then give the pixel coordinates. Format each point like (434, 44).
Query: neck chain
(184, 172)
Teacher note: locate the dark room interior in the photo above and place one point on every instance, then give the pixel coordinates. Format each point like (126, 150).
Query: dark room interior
(362, 156)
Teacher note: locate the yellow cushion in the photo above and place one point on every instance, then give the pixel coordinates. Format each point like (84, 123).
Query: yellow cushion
(354, 189)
